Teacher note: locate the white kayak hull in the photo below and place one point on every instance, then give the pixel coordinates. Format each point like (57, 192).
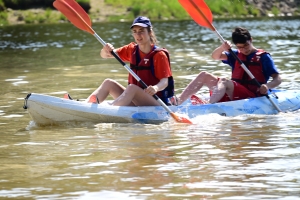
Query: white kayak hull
(49, 110)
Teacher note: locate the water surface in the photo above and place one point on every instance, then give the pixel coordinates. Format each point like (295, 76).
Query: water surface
(244, 157)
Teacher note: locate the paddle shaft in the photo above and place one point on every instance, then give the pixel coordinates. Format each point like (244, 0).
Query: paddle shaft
(211, 26)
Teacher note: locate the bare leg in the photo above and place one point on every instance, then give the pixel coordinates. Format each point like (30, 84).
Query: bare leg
(223, 87)
(204, 78)
(107, 87)
(135, 94)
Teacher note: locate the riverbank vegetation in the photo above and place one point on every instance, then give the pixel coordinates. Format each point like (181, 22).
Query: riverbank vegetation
(42, 11)
(171, 9)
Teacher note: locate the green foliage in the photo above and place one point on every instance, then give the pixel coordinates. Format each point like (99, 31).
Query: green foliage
(62, 17)
(29, 18)
(2, 7)
(298, 11)
(171, 9)
(177, 10)
(46, 15)
(49, 16)
(84, 1)
(254, 11)
(122, 2)
(228, 7)
(3, 18)
(136, 10)
(156, 9)
(275, 11)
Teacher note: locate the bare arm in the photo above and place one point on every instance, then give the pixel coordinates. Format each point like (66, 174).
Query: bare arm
(272, 84)
(219, 52)
(275, 82)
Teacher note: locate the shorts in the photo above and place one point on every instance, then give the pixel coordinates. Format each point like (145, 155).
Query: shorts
(239, 92)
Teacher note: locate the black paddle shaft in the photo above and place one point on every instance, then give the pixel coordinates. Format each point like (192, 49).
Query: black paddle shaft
(132, 73)
(239, 60)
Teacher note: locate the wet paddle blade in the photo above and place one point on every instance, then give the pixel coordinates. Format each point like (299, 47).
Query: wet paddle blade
(75, 14)
(199, 12)
(180, 119)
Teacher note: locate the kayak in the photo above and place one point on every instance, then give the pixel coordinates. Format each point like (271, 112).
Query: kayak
(49, 110)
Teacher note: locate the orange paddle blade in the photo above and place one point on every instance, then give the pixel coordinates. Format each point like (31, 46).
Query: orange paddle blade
(199, 11)
(75, 14)
(180, 119)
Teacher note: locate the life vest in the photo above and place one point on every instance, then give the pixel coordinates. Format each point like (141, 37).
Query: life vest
(145, 70)
(254, 65)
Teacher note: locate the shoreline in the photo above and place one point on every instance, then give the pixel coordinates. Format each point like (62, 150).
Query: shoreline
(272, 9)
(17, 17)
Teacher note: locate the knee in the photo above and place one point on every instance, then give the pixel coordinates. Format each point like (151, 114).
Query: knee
(203, 74)
(223, 80)
(226, 82)
(132, 88)
(108, 82)
(204, 77)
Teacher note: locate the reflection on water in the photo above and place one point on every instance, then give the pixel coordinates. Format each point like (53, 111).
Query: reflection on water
(244, 157)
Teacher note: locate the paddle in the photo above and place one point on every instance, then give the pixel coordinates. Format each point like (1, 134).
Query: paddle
(202, 15)
(77, 16)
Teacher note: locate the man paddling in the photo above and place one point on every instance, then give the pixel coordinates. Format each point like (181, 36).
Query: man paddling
(240, 86)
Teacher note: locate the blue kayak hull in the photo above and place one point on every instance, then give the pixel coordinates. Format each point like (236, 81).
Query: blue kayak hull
(45, 109)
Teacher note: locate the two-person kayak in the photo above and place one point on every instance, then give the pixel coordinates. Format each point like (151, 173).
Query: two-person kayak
(47, 110)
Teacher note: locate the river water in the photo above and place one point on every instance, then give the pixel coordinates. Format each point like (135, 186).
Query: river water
(244, 157)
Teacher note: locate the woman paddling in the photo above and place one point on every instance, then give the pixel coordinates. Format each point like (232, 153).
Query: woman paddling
(148, 61)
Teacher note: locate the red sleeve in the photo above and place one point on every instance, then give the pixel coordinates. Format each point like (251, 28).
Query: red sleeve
(125, 52)
(162, 66)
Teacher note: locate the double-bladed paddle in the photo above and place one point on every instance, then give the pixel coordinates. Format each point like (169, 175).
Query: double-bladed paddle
(202, 15)
(77, 16)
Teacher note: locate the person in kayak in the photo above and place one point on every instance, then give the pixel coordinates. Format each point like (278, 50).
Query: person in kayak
(148, 61)
(240, 86)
